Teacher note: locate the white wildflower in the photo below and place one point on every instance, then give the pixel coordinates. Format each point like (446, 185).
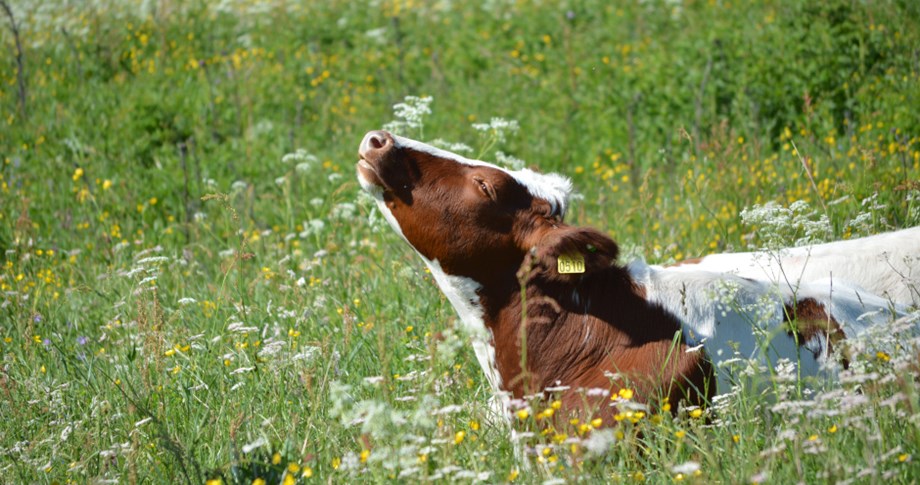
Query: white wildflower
(247, 448)
(498, 128)
(451, 147)
(599, 442)
(409, 114)
(686, 468)
(509, 161)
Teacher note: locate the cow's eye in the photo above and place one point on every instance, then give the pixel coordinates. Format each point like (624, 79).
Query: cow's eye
(485, 187)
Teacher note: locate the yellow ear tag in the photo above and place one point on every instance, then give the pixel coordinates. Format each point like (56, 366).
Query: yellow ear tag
(570, 264)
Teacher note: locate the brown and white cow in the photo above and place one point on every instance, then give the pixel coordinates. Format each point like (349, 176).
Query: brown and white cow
(548, 307)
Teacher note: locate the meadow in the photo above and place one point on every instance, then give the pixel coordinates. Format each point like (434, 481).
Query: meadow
(193, 289)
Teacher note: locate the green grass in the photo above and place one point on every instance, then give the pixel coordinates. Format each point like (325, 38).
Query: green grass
(173, 288)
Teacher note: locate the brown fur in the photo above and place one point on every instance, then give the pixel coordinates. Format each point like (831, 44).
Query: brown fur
(807, 320)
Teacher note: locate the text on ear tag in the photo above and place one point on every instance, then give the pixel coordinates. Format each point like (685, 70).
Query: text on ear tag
(570, 264)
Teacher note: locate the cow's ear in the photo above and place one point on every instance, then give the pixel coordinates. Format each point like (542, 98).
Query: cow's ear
(566, 254)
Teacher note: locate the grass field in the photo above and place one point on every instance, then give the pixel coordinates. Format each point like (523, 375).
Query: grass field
(192, 288)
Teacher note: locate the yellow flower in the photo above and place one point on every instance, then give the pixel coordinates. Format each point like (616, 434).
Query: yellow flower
(882, 356)
(625, 393)
(696, 413)
(289, 480)
(474, 425)
(680, 434)
(214, 481)
(77, 174)
(458, 438)
(736, 438)
(597, 422)
(307, 472)
(512, 476)
(832, 429)
(276, 458)
(293, 467)
(258, 481)
(336, 463)
(364, 455)
(106, 184)
(523, 414)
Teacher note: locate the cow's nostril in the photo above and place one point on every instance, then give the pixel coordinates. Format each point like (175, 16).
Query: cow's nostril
(374, 140)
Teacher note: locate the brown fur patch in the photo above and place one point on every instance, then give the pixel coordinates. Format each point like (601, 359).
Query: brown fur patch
(806, 320)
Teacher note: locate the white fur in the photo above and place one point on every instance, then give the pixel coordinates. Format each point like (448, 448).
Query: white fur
(737, 317)
(887, 264)
(551, 187)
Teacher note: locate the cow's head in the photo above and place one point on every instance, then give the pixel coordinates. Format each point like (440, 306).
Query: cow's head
(475, 219)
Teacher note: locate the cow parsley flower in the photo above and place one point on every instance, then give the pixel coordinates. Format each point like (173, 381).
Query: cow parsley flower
(499, 128)
(410, 114)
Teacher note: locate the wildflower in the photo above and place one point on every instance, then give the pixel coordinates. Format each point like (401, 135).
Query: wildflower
(258, 481)
(106, 185)
(523, 414)
(77, 174)
(882, 356)
(214, 481)
(409, 113)
(696, 413)
(474, 425)
(307, 472)
(597, 422)
(680, 434)
(276, 458)
(904, 457)
(364, 455)
(458, 438)
(832, 429)
(686, 468)
(336, 463)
